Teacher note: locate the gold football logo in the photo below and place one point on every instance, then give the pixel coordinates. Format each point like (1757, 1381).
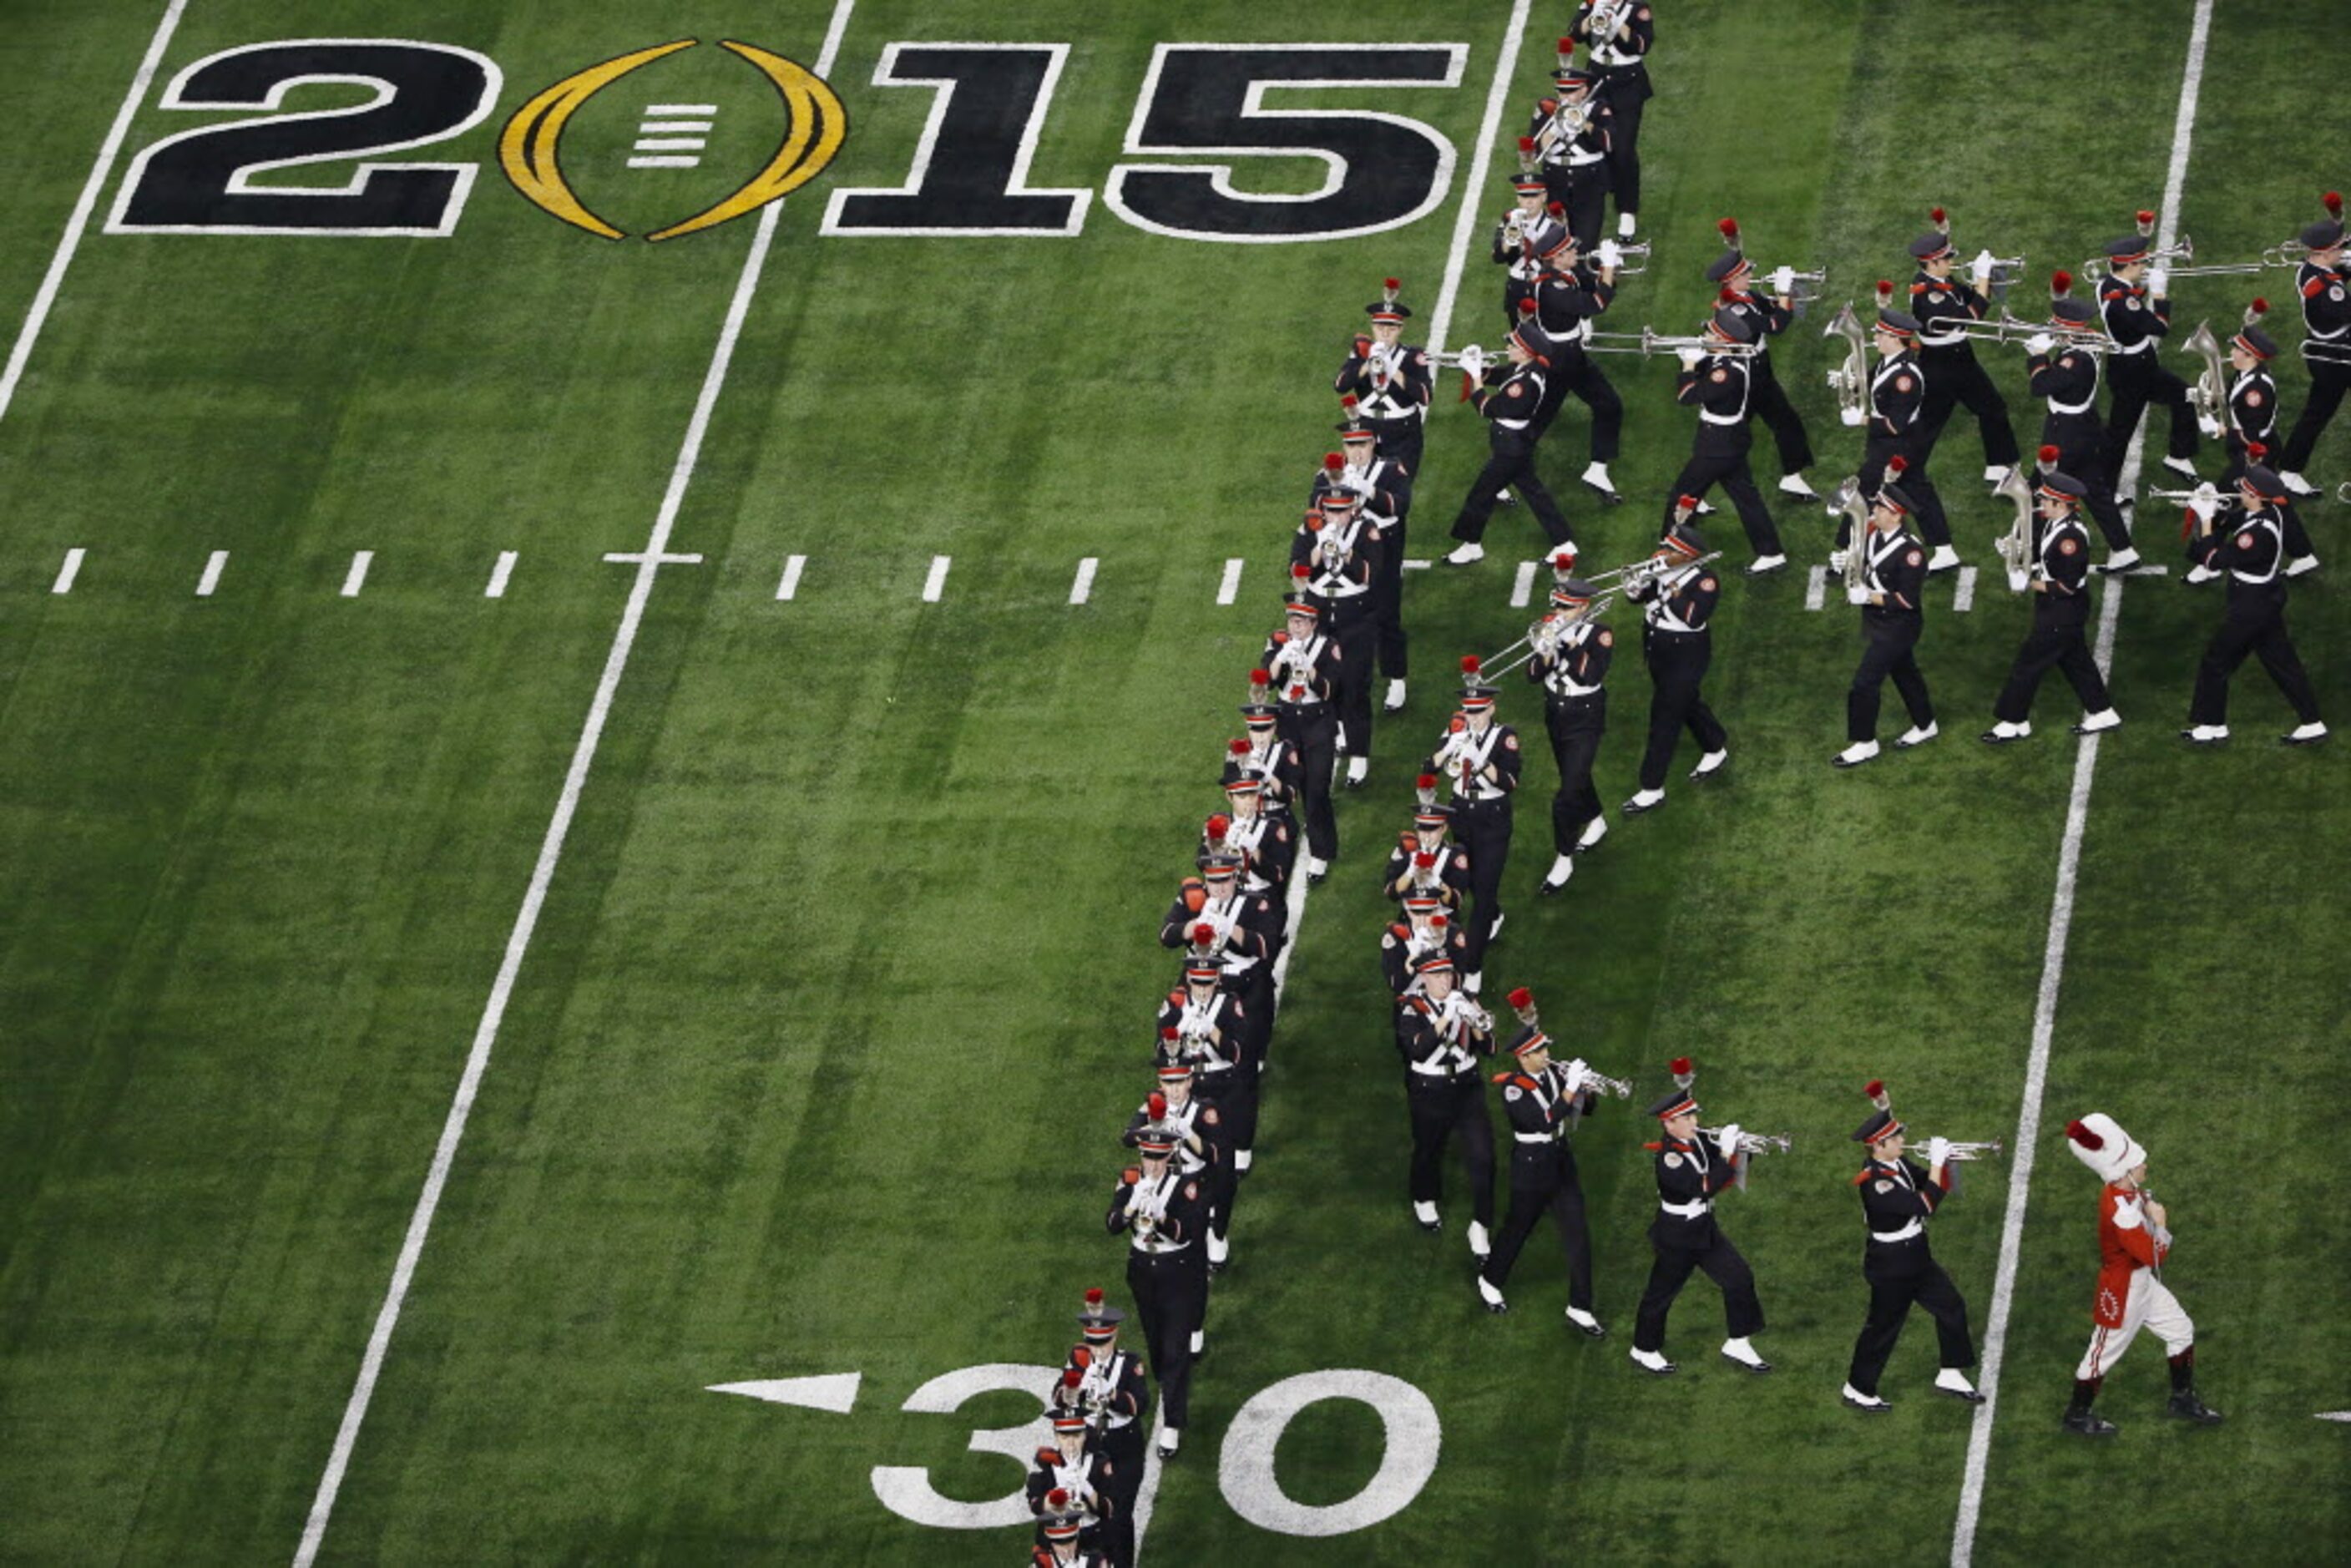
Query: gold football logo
(814, 125)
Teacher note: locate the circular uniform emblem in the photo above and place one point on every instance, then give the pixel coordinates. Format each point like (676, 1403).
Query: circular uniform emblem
(2336, 292)
(1512, 1093)
(2253, 397)
(1191, 1190)
(1902, 384)
(1606, 637)
(1913, 559)
(2244, 541)
(2068, 547)
(2133, 303)
(1673, 1162)
(1516, 389)
(1510, 742)
(1721, 375)
(1885, 1185)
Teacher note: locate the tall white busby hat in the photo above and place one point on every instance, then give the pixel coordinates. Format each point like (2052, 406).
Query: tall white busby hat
(2100, 1143)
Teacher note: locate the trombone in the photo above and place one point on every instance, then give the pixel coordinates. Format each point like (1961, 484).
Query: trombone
(1626, 576)
(1649, 340)
(2276, 257)
(1541, 641)
(2013, 329)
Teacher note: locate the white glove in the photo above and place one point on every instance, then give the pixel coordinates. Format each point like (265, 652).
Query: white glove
(1982, 268)
(2040, 343)
(1856, 596)
(1854, 416)
(1727, 1140)
(1939, 1152)
(1784, 280)
(1610, 256)
(2205, 503)
(1690, 357)
(2210, 426)
(1473, 360)
(2018, 581)
(2157, 281)
(1577, 1071)
(1836, 561)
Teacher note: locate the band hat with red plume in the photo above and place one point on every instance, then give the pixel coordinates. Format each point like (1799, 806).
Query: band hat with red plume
(1680, 1102)
(1528, 181)
(1566, 53)
(1158, 1139)
(1933, 246)
(1729, 229)
(1730, 266)
(1385, 309)
(2253, 339)
(1220, 867)
(1684, 1073)
(1897, 323)
(1885, 293)
(1422, 904)
(1070, 1423)
(1099, 1321)
(1528, 1040)
(1351, 425)
(2143, 219)
(2127, 250)
(1061, 1522)
(1476, 696)
(1941, 219)
(1424, 788)
(1175, 1071)
(1436, 963)
(1239, 782)
(2099, 1142)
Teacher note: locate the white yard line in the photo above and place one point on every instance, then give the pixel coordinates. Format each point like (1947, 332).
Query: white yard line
(100, 173)
(1816, 587)
(649, 563)
(1082, 587)
(501, 574)
(1522, 587)
(666, 160)
(791, 584)
(356, 579)
(2061, 912)
(1440, 320)
(69, 572)
(936, 583)
(215, 564)
(1963, 596)
(657, 109)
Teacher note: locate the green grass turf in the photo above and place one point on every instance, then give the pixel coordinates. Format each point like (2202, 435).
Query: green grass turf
(843, 986)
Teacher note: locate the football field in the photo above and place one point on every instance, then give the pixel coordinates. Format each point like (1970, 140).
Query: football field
(584, 818)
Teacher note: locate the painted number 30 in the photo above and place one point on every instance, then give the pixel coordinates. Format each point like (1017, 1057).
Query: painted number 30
(1202, 110)
(1409, 1451)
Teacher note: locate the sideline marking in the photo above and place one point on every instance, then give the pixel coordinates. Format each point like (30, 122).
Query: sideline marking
(1522, 588)
(2061, 912)
(649, 563)
(936, 583)
(214, 564)
(1963, 597)
(1230, 587)
(792, 582)
(69, 572)
(356, 579)
(1440, 322)
(704, 108)
(836, 1392)
(1084, 584)
(499, 574)
(100, 173)
(1816, 587)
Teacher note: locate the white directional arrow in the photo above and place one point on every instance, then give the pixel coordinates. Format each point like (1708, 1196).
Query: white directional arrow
(2342, 1415)
(836, 1392)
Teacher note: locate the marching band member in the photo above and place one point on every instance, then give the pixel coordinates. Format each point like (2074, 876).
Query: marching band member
(1204, 1147)
(1301, 667)
(2058, 578)
(1571, 665)
(1953, 377)
(1897, 1197)
(1264, 755)
(2252, 432)
(1391, 382)
(1509, 395)
(1385, 490)
(1245, 930)
(1568, 297)
(1677, 643)
(1072, 1469)
(1619, 34)
(1897, 403)
(1163, 1212)
(1061, 1534)
(1771, 315)
(1268, 849)
(1423, 860)
(2252, 551)
(1427, 930)
(2133, 1239)
(1204, 1024)
(2064, 369)
(1339, 550)
(1112, 1392)
(2136, 309)
(1719, 386)
(1480, 759)
(2322, 282)
(1525, 233)
(1892, 601)
(1685, 1236)
(1543, 1100)
(1572, 132)
(1441, 1034)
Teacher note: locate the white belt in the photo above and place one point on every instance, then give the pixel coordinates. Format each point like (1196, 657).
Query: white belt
(1482, 796)
(1575, 689)
(2057, 407)
(2143, 346)
(1342, 589)
(1153, 1250)
(2251, 581)
(1952, 341)
(1690, 1210)
(1614, 57)
(1585, 160)
(1738, 418)
(1916, 1227)
(1536, 1137)
(1439, 1071)
(1514, 423)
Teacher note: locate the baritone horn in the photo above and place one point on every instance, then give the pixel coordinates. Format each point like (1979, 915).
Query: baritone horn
(1850, 380)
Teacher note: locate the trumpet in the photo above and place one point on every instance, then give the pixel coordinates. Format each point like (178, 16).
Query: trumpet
(1649, 340)
(1804, 287)
(1635, 255)
(1753, 1143)
(1479, 1020)
(1991, 1151)
(2205, 492)
(1621, 1088)
(1452, 359)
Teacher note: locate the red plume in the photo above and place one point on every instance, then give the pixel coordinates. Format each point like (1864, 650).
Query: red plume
(2333, 200)
(1347, 400)
(2048, 455)
(2083, 1137)
(1727, 228)
(1471, 664)
(1300, 571)
(1391, 284)
(2145, 217)
(1440, 922)
(1332, 462)
(1686, 503)
(1094, 1296)
(1261, 677)
(1679, 1065)
(2061, 283)
(1157, 1104)
(1526, 143)
(1521, 997)
(1238, 748)
(1425, 781)
(1563, 561)
(2260, 306)
(1885, 290)
(1203, 934)
(1220, 825)
(1874, 1088)
(1058, 1500)
(1556, 209)
(1070, 1378)
(1567, 45)
(1897, 465)
(1168, 1034)
(1936, 214)
(1081, 1354)
(1728, 296)
(2256, 450)
(1424, 860)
